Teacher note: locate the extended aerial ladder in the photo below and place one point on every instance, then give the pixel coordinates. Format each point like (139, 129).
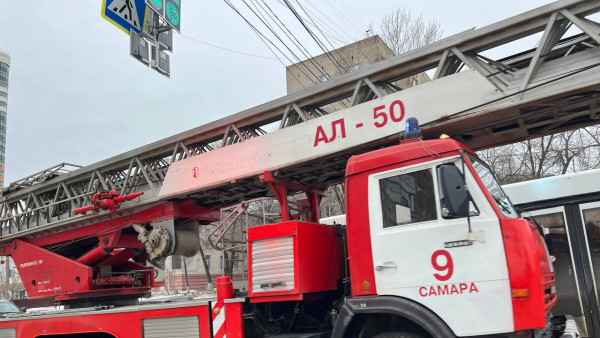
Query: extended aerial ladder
(473, 97)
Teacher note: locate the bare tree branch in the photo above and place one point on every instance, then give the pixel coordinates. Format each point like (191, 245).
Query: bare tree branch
(403, 32)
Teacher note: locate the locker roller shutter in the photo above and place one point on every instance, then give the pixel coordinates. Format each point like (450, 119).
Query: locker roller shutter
(169, 327)
(10, 332)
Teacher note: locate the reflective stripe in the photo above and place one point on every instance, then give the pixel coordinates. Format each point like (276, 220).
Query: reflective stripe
(218, 320)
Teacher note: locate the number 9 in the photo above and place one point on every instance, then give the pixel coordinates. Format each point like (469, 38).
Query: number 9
(448, 267)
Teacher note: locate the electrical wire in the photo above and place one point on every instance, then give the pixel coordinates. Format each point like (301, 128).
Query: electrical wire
(348, 13)
(291, 36)
(319, 29)
(339, 38)
(329, 28)
(263, 38)
(261, 34)
(229, 50)
(342, 16)
(314, 37)
(307, 55)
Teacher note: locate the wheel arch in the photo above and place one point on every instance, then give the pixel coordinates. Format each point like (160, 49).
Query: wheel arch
(356, 311)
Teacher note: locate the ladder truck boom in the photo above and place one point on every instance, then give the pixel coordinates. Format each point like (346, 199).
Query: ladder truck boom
(428, 231)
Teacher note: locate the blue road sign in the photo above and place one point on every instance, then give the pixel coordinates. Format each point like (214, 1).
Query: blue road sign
(125, 14)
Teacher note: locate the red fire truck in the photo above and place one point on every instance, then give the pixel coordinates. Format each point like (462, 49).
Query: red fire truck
(431, 242)
(432, 247)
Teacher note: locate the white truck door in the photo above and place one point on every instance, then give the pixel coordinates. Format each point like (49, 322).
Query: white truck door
(420, 255)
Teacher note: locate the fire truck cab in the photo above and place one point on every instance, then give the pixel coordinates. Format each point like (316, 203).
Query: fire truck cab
(433, 241)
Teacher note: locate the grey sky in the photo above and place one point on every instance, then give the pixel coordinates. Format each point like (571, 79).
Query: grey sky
(77, 96)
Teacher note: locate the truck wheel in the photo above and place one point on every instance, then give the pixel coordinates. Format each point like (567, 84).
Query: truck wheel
(397, 335)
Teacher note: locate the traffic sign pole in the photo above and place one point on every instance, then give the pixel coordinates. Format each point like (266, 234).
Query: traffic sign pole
(150, 24)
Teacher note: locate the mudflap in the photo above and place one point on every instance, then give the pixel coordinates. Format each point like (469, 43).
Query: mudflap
(562, 326)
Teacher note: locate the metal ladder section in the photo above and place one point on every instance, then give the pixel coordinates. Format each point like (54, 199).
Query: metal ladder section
(548, 88)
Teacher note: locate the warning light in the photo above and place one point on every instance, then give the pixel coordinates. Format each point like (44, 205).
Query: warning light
(444, 136)
(412, 128)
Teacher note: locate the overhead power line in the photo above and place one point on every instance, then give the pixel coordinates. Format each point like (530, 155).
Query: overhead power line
(314, 37)
(350, 22)
(330, 31)
(263, 38)
(327, 27)
(227, 49)
(281, 40)
(292, 37)
(326, 39)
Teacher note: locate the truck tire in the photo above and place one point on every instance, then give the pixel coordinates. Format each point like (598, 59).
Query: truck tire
(397, 335)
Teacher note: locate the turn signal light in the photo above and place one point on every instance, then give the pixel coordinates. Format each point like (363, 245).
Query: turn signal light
(520, 293)
(365, 285)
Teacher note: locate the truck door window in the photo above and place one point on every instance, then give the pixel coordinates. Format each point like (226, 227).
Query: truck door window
(407, 198)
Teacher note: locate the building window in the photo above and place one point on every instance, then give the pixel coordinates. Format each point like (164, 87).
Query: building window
(353, 68)
(324, 78)
(175, 262)
(407, 198)
(207, 261)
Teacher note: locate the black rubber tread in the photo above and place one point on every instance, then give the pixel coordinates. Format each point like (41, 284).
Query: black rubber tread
(397, 335)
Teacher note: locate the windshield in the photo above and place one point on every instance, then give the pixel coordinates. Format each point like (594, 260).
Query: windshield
(8, 307)
(493, 187)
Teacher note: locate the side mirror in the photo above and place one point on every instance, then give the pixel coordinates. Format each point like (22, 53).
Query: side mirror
(455, 202)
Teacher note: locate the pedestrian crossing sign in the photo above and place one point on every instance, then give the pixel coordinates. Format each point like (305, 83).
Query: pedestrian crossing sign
(125, 14)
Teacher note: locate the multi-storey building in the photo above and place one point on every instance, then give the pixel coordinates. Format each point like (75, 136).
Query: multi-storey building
(4, 66)
(325, 67)
(346, 59)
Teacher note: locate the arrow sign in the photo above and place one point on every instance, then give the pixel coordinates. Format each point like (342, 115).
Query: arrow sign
(125, 14)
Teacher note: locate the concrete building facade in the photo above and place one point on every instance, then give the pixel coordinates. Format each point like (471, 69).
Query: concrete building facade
(349, 58)
(4, 67)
